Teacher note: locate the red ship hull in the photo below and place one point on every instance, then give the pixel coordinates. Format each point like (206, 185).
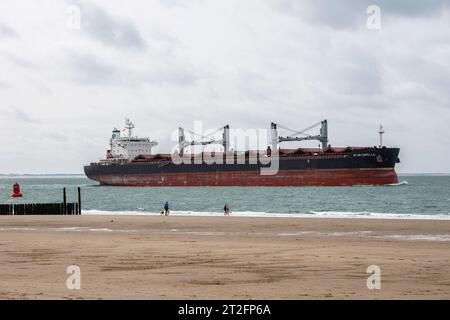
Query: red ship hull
(310, 177)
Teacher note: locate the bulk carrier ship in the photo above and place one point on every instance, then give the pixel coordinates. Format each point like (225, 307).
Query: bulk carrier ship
(130, 162)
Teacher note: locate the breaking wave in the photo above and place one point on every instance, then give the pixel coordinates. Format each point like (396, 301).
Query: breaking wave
(401, 183)
(309, 214)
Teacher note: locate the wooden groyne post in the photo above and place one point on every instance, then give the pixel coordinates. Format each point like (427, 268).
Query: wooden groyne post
(64, 200)
(63, 208)
(79, 201)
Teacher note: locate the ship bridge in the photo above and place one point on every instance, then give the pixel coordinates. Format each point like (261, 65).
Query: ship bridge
(128, 147)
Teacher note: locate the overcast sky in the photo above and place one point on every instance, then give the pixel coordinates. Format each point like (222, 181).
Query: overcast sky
(243, 63)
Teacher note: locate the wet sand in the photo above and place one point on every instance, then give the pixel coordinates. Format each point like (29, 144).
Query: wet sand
(138, 257)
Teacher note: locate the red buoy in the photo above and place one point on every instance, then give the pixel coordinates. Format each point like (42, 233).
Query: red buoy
(16, 191)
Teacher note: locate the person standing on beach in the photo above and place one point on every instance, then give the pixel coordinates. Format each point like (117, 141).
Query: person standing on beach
(166, 208)
(226, 210)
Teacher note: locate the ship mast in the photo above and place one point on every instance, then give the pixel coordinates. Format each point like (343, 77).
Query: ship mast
(129, 126)
(381, 132)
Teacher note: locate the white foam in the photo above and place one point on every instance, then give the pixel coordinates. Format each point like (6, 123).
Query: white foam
(380, 215)
(369, 234)
(116, 213)
(310, 214)
(350, 234)
(80, 229)
(418, 237)
(327, 234)
(17, 229)
(401, 183)
(365, 234)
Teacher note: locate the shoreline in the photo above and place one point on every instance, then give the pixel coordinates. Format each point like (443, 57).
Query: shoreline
(253, 214)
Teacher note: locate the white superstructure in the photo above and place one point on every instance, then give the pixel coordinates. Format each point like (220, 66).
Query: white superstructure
(127, 147)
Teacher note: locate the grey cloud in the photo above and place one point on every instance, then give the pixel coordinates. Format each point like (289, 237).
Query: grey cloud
(179, 76)
(88, 69)
(164, 38)
(42, 87)
(6, 31)
(254, 86)
(5, 85)
(55, 136)
(19, 61)
(359, 80)
(109, 30)
(173, 3)
(411, 8)
(355, 72)
(19, 114)
(348, 13)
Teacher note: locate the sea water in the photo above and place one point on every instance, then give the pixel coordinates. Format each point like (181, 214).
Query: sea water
(423, 197)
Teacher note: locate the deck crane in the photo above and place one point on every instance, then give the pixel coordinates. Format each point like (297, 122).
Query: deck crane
(225, 141)
(322, 136)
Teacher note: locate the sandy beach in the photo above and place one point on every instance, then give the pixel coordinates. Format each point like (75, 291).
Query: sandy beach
(153, 257)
